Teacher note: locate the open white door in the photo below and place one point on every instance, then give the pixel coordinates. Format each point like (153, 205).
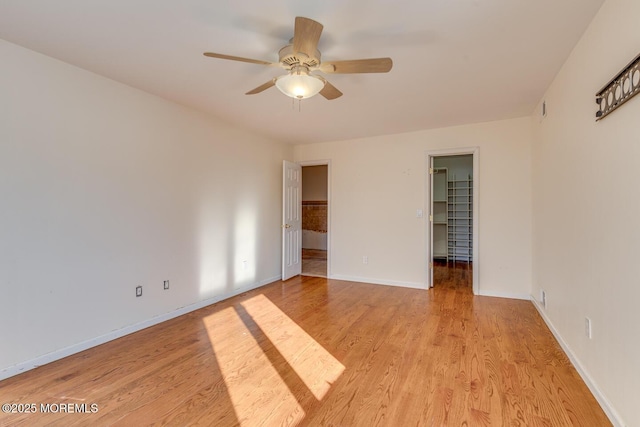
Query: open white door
(291, 219)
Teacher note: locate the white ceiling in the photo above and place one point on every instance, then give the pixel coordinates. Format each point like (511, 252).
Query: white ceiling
(455, 61)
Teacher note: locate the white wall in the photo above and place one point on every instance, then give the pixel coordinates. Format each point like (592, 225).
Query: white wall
(586, 210)
(377, 184)
(103, 188)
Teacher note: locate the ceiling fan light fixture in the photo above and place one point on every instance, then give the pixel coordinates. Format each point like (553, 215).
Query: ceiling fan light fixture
(300, 56)
(299, 84)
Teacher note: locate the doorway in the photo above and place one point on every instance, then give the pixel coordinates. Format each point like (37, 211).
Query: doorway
(453, 219)
(315, 219)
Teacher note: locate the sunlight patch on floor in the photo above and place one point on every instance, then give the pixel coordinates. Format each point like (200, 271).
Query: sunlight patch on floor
(315, 366)
(258, 394)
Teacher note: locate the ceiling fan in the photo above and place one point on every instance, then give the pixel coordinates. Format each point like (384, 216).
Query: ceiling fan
(301, 59)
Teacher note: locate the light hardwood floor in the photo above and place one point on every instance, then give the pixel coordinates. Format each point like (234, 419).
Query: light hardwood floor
(319, 352)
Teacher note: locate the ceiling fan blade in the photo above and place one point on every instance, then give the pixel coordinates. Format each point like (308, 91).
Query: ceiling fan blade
(306, 35)
(374, 65)
(261, 88)
(237, 58)
(330, 92)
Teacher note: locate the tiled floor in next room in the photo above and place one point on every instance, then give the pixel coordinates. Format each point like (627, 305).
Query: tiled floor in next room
(314, 262)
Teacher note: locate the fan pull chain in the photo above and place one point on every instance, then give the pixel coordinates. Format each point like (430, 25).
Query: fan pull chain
(293, 104)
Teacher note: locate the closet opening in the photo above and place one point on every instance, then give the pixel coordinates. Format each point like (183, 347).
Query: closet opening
(452, 221)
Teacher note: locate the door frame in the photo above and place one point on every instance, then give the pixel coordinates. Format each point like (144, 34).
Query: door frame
(324, 162)
(475, 152)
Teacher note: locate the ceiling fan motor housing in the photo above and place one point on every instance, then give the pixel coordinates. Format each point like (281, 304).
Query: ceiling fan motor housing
(290, 59)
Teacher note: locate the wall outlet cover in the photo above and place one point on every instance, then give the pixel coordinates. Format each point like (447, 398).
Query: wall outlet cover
(166, 284)
(138, 291)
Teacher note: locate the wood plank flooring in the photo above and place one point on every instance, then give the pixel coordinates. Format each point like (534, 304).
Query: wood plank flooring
(318, 352)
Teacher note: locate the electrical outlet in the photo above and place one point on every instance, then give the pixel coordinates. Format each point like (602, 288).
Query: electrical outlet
(543, 298)
(365, 259)
(587, 328)
(244, 264)
(166, 285)
(138, 291)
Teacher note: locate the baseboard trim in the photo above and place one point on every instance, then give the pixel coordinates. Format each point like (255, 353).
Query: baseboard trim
(119, 333)
(502, 295)
(607, 407)
(415, 285)
(380, 281)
